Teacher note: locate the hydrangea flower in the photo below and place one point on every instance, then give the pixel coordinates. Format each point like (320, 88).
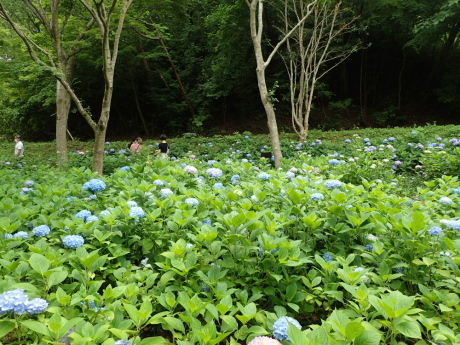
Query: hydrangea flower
(125, 168)
(83, 214)
(264, 176)
(212, 162)
(445, 200)
(317, 197)
(435, 231)
(36, 306)
(347, 141)
(206, 221)
(369, 247)
(370, 149)
(94, 185)
(29, 183)
(8, 236)
(328, 257)
(137, 212)
(191, 170)
(91, 219)
(332, 184)
(158, 183)
(290, 175)
(12, 300)
(73, 241)
(41, 230)
(366, 140)
(218, 185)
(214, 173)
(262, 340)
(92, 197)
(25, 190)
(358, 269)
(123, 342)
(281, 325)
(165, 192)
(192, 201)
(334, 161)
(21, 234)
(105, 213)
(446, 254)
(131, 203)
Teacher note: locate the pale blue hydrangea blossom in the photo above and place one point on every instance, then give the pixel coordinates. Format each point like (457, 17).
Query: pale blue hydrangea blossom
(94, 185)
(262, 340)
(41, 230)
(165, 192)
(214, 173)
(73, 241)
(281, 325)
(192, 201)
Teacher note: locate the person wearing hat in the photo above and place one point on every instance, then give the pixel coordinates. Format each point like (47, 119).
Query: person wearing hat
(19, 147)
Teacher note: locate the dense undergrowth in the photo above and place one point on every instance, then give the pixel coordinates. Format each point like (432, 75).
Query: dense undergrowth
(357, 238)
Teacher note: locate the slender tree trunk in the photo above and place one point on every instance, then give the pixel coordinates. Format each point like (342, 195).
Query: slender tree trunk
(99, 142)
(62, 114)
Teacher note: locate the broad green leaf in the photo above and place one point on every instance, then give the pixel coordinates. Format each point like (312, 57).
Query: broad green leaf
(353, 330)
(6, 326)
(39, 263)
(36, 327)
(410, 329)
(368, 338)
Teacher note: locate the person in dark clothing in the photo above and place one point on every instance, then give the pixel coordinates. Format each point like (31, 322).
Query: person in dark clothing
(133, 140)
(163, 147)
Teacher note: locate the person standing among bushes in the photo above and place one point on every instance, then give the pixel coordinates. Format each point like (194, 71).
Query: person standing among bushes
(18, 147)
(136, 145)
(163, 147)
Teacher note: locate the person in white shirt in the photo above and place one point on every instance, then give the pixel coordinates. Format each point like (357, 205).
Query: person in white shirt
(19, 147)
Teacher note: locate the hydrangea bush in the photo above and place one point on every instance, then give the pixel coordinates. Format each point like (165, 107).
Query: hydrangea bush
(235, 252)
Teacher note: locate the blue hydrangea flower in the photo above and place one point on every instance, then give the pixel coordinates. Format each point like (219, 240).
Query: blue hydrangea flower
(21, 234)
(94, 185)
(36, 306)
(91, 219)
(158, 183)
(347, 141)
(334, 161)
(281, 325)
(317, 197)
(290, 175)
(92, 197)
(369, 247)
(29, 183)
(131, 203)
(192, 201)
(26, 190)
(105, 213)
(41, 230)
(214, 173)
(137, 212)
(125, 168)
(123, 342)
(107, 143)
(165, 192)
(435, 231)
(212, 162)
(264, 176)
(73, 241)
(13, 300)
(328, 257)
(456, 191)
(370, 149)
(391, 139)
(358, 269)
(206, 221)
(8, 236)
(445, 200)
(262, 340)
(366, 140)
(332, 184)
(218, 185)
(83, 214)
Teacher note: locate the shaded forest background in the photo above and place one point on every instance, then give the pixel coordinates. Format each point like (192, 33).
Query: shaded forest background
(408, 73)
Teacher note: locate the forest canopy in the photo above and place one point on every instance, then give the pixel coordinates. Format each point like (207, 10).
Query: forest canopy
(189, 66)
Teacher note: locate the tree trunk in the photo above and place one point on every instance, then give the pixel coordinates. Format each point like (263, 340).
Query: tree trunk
(62, 114)
(271, 117)
(99, 142)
